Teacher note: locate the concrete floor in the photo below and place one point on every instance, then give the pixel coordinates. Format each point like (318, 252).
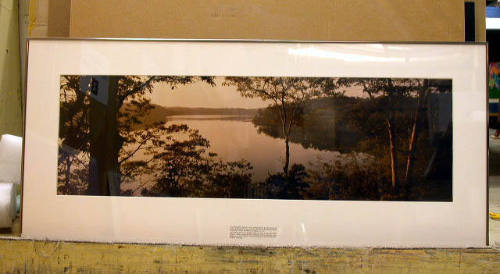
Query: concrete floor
(494, 189)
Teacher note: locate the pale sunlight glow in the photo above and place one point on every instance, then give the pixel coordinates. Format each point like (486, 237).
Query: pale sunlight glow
(347, 57)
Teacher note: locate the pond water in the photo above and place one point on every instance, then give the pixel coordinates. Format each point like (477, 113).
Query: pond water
(235, 138)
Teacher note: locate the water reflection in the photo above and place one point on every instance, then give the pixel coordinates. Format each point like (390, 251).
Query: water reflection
(234, 138)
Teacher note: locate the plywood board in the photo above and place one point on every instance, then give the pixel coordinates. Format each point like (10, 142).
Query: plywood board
(59, 14)
(10, 80)
(349, 20)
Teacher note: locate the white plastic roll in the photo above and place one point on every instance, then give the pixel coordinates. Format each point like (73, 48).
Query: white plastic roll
(10, 158)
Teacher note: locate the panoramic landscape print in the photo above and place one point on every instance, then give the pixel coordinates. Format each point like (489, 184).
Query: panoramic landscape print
(300, 138)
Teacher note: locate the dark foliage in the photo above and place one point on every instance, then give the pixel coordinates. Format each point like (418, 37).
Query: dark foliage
(287, 186)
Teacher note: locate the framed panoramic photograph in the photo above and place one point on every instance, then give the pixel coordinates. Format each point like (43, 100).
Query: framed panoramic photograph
(256, 143)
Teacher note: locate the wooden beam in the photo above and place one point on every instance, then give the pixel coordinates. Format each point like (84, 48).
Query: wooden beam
(20, 256)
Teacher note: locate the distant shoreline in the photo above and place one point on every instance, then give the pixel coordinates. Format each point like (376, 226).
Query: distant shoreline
(210, 117)
(172, 111)
(162, 114)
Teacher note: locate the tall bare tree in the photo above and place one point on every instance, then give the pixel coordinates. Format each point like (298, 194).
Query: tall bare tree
(389, 92)
(287, 94)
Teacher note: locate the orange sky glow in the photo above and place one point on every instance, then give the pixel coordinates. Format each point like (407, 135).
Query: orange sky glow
(201, 94)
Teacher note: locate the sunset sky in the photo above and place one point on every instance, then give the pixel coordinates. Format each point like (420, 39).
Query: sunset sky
(201, 94)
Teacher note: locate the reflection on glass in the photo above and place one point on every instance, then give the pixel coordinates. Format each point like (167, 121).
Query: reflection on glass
(256, 137)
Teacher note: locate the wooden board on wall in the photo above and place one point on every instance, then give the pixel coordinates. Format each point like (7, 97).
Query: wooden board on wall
(480, 16)
(59, 17)
(348, 20)
(10, 81)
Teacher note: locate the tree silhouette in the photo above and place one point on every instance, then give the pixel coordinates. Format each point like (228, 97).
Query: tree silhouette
(109, 128)
(388, 96)
(180, 165)
(287, 186)
(74, 133)
(287, 95)
(101, 130)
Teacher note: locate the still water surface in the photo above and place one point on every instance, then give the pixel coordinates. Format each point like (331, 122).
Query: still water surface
(235, 138)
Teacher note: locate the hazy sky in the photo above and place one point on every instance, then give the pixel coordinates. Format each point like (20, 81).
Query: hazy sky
(201, 94)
